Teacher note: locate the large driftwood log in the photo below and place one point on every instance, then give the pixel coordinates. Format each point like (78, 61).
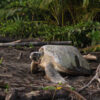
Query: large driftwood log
(19, 43)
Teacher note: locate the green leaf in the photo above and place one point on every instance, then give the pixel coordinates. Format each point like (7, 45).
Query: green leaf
(49, 88)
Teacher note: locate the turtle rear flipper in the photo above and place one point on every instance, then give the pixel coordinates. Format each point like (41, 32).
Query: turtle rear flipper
(53, 75)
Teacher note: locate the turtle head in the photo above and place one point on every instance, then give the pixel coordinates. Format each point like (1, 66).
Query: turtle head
(35, 56)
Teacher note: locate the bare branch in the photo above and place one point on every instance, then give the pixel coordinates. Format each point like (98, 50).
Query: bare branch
(19, 43)
(96, 77)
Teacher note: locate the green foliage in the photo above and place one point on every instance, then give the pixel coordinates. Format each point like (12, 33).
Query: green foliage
(49, 88)
(7, 87)
(1, 60)
(95, 34)
(87, 33)
(90, 49)
(81, 34)
(11, 27)
(31, 46)
(72, 88)
(58, 12)
(51, 20)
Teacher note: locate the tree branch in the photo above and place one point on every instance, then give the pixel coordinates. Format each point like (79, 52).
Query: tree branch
(19, 43)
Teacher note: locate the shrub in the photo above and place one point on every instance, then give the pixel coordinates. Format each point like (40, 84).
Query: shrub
(81, 34)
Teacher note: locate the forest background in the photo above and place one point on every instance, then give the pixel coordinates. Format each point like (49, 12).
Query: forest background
(52, 20)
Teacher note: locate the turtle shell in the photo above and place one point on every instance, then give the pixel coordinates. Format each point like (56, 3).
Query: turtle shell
(67, 58)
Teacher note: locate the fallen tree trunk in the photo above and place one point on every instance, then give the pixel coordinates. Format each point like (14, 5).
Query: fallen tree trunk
(19, 43)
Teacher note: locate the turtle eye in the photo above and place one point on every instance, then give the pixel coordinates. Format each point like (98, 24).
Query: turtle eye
(35, 58)
(35, 54)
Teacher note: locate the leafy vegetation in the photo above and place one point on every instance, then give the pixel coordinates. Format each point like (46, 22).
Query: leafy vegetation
(90, 49)
(75, 20)
(1, 60)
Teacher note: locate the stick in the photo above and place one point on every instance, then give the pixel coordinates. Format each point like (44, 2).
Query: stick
(68, 88)
(75, 93)
(96, 77)
(18, 43)
(6, 75)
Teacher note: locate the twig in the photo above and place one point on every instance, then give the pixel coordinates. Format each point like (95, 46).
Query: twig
(5, 75)
(75, 93)
(95, 91)
(20, 56)
(54, 94)
(68, 88)
(96, 77)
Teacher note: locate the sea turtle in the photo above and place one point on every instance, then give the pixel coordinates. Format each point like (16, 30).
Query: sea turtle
(59, 58)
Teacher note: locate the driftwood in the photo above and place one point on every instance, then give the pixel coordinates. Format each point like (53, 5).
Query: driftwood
(90, 57)
(19, 43)
(96, 77)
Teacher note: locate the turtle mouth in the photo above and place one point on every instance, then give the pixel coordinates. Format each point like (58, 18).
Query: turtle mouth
(36, 62)
(35, 59)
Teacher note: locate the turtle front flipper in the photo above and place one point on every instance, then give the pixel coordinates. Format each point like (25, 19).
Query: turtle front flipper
(34, 67)
(53, 75)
